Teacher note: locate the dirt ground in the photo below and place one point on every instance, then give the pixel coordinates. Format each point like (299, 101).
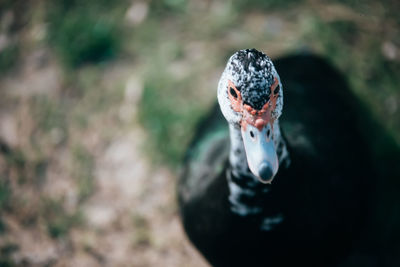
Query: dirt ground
(79, 184)
(130, 217)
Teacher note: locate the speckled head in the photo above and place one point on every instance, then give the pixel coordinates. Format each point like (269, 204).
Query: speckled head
(251, 74)
(249, 79)
(250, 97)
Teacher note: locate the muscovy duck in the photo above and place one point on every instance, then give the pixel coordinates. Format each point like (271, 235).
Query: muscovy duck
(271, 191)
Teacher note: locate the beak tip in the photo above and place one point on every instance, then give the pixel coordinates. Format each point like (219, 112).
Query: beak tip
(265, 173)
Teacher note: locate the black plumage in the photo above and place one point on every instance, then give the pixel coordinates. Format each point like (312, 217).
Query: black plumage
(328, 196)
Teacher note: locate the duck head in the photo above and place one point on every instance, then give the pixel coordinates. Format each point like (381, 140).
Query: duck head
(250, 98)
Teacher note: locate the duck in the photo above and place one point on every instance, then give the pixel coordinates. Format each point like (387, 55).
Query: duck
(264, 185)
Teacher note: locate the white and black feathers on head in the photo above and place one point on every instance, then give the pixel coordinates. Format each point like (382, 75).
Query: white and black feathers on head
(253, 73)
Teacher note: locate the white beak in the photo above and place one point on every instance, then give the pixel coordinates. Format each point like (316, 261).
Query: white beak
(260, 152)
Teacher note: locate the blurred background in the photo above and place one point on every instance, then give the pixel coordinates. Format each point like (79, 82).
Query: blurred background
(99, 99)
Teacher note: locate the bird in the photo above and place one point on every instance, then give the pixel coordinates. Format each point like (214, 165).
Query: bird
(264, 185)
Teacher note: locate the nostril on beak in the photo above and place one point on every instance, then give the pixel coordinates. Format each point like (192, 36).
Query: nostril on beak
(265, 172)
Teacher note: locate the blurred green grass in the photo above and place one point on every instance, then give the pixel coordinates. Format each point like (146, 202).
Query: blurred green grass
(85, 31)
(8, 58)
(58, 221)
(168, 117)
(82, 172)
(177, 52)
(266, 5)
(88, 35)
(4, 195)
(347, 41)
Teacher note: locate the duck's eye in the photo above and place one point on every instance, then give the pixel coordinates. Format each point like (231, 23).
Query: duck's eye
(276, 90)
(232, 92)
